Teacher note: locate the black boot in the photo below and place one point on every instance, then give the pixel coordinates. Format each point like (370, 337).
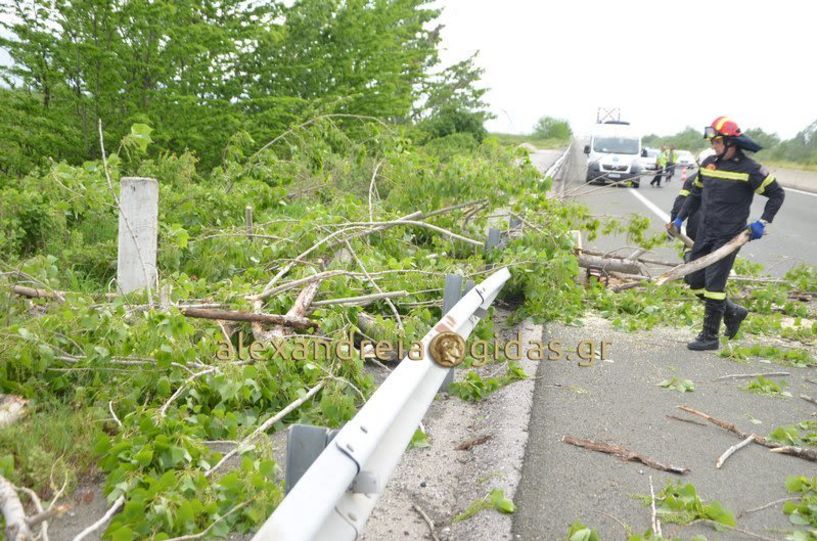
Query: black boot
(708, 339)
(733, 316)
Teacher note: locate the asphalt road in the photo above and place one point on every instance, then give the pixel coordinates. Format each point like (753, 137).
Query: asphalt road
(790, 239)
(619, 402)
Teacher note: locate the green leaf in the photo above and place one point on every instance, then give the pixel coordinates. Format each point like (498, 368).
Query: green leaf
(500, 502)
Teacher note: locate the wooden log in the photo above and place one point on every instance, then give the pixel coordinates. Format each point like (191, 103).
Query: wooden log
(16, 526)
(639, 259)
(610, 264)
(702, 262)
(299, 323)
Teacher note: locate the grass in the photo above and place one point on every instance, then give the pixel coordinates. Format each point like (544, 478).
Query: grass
(790, 165)
(517, 139)
(48, 446)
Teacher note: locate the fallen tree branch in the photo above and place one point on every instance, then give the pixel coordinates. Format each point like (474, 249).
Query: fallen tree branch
(807, 398)
(334, 238)
(767, 505)
(703, 262)
(113, 414)
(120, 501)
(623, 453)
(383, 295)
(691, 421)
(264, 426)
(298, 323)
(679, 235)
(639, 259)
(806, 454)
(799, 452)
(749, 376)
(735, 448)
(361, 300)
(204, 532)
(17, 528)
(656, 524)
(610, 264)
(178, 393)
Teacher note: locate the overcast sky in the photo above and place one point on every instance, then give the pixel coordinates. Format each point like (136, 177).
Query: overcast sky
(666, 64)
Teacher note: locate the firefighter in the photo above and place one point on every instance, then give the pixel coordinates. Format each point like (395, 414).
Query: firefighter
(723, 189)
(672, 157)
(694, 218)
(661, 162)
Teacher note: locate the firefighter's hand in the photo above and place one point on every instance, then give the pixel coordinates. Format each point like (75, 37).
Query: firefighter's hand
(677, 223)
(756, 229)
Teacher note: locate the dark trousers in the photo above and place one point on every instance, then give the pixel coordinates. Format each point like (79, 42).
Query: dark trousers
(656, 178)
(670, 171)
(710, 282)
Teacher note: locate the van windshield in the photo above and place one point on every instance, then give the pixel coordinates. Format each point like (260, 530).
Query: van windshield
(616, 145)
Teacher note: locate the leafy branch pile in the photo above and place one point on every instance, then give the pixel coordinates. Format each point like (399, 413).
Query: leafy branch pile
(141, 388)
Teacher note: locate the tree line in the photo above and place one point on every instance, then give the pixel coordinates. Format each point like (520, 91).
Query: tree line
(200, 72)
(800, 149)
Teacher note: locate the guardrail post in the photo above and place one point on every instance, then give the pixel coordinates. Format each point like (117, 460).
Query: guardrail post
(304, 444)
(493, 240)
(452, 293)
(514, 222)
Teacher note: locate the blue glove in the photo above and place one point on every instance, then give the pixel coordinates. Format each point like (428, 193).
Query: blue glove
(756, 229)
(678, 222)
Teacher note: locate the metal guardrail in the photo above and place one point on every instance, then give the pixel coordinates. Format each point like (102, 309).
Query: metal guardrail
(335, 496)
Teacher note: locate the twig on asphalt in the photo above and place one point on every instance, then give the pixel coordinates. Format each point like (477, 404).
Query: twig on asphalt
(691, 421)
(735, 448)
(799, 452)
(807, 398)
(656, 524)
(427, 520)
(749, 376)
(623, 453)
(766, 506)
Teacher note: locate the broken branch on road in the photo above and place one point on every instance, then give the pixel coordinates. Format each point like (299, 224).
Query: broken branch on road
(623, 453)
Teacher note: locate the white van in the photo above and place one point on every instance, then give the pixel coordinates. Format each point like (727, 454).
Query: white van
(614, 155)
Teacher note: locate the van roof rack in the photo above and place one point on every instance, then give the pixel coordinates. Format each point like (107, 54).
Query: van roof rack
(623, 122)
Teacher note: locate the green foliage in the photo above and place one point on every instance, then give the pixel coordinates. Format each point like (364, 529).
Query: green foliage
(767, 387)
(493, 500)
(800, 434)
(675, 384)
(679, 503)
(803, 511)
(552, 128)
(798, 358)
(474, 388)
(579, 532)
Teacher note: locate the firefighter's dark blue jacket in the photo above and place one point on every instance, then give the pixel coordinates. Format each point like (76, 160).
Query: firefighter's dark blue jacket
(723, 189)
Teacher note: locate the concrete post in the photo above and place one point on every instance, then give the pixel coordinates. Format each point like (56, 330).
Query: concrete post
(138, 229)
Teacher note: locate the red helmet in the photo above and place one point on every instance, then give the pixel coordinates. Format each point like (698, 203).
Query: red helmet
(722, 127)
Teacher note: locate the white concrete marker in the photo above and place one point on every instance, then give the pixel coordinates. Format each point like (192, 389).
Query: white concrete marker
(138, 228)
